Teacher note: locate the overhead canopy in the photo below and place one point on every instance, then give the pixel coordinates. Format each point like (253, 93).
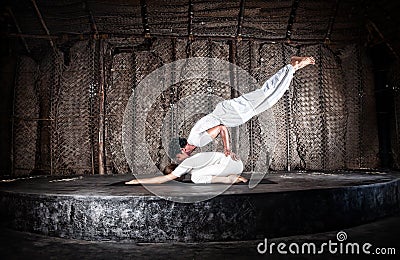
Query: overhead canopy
(30, 24)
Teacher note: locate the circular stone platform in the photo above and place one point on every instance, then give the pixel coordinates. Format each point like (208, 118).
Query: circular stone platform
(102, 208)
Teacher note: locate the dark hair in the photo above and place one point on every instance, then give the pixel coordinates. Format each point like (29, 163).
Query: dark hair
(169, 168)
(182, 142)
(175, 145)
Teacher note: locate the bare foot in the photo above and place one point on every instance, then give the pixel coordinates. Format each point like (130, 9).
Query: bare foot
(237, 178)
(132, 182)
(301, 62)
(242, 179)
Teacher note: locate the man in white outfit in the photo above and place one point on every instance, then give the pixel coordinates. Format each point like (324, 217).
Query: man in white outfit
(205, 167)
(237, 111)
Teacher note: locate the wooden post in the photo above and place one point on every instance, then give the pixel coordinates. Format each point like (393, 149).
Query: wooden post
(292, 17)
(234, 93)
(240, 21)
(101, 111)
(331, 22)
(12, 152)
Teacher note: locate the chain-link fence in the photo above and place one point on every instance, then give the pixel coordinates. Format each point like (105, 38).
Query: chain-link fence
(69, 107)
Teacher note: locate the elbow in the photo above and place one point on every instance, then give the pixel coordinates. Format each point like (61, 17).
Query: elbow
(223, 130)
(171, 177)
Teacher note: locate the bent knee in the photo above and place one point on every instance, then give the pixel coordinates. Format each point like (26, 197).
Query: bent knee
(236, 167)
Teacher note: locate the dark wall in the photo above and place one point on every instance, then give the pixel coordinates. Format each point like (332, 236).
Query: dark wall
(7, 72)
(383, 59)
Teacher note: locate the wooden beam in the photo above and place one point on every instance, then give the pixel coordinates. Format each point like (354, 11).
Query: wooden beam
(19, 30)
(373, 29)
(29, 36)
(188, 49)
(93, 26)
(190, 20)
(72, 36)
(101, 147)
(240, 21)
(331, 22)
(43, 23)
(145, 19)
(291, 20)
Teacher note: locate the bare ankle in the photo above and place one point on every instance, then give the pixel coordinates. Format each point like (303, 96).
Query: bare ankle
(301, 62)
(295, 64)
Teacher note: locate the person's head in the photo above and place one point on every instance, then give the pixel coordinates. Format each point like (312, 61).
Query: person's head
(170, 168)
(180, 149)
(182, 142)
(175, 146)
(186, 148)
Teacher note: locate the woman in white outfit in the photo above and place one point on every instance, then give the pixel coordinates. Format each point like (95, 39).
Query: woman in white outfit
(205, 167)
(237, 111)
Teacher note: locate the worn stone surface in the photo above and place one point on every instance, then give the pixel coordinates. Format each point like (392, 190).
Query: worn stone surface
(91, 208)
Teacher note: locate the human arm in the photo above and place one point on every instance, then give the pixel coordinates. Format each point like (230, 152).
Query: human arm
(223, 131)
(225, 139)
(153, 180)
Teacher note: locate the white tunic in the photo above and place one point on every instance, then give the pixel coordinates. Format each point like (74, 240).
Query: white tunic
(198, 135)
(203, 166)
(237, 111)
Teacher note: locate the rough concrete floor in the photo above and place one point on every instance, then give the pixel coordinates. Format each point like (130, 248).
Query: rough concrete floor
(384, 233)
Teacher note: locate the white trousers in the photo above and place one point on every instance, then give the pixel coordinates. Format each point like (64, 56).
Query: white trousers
(237, 111)
(226, 167)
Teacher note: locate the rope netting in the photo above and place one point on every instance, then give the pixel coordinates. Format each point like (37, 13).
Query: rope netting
(25, 117)
(71, 114)
(361, 145)
(324, 121)
(118, 92)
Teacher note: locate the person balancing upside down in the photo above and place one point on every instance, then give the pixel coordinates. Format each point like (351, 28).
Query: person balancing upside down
(228, 113)
(237, 111)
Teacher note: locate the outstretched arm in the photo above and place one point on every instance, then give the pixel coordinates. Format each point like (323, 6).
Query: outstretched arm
(153, 180)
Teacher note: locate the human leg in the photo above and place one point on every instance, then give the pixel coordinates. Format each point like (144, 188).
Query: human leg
(234, 178)
(276, 86)
(271, 91)
(237, 111)
(301, 62)
(224, 169)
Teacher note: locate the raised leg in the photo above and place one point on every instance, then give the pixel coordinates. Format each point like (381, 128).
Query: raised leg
(301, 62)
